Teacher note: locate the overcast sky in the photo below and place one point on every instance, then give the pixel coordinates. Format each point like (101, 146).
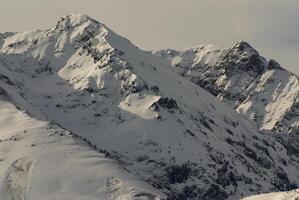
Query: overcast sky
(271, 26)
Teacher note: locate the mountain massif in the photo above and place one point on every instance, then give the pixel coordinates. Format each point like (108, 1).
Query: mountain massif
(85, 114)
(255, 87)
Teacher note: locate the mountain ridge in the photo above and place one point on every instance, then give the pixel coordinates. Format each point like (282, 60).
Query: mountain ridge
(239, 76)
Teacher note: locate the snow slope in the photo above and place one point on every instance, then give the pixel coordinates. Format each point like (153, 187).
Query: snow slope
(42, 161)
(257, 88)
(291, 195)
(130, 104)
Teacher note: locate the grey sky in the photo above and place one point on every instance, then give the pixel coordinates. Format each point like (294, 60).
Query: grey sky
(271, 26)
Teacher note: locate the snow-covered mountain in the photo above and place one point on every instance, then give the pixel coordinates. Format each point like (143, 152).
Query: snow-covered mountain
(255, 87)
(132, 107)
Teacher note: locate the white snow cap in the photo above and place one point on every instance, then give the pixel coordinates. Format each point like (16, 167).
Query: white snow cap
(73, 20)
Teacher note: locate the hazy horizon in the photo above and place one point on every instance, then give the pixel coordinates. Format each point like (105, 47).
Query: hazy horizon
(270, 26)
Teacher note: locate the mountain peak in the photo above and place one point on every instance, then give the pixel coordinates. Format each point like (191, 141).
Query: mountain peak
(244, 46)
(73, 20)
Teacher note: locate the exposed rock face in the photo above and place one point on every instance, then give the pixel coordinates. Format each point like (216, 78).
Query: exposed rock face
(165, 102)
(243, 57)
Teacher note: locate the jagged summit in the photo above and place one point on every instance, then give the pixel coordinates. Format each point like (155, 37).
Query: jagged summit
(244, 57)
(244, 46)
(273, 64)
(254, 57)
